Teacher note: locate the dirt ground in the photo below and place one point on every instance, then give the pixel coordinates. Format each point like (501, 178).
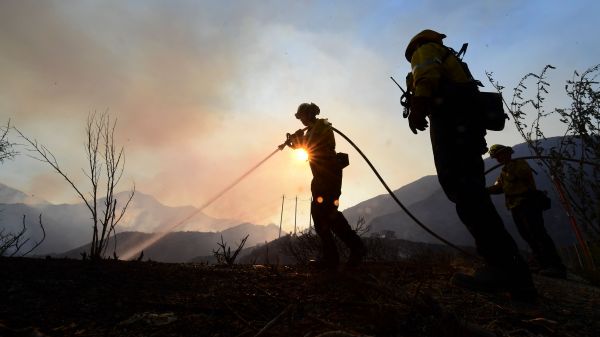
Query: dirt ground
(55, 297)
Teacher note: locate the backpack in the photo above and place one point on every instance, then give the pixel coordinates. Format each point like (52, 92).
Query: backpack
(489, 103)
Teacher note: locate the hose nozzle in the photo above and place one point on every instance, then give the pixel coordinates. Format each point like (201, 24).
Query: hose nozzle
(286, 143)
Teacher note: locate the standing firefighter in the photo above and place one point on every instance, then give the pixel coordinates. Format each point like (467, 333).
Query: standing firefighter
(445, 92)
(326, 186)
(517, 183)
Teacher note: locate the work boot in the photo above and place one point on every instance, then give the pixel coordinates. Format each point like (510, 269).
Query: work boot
(485, 279)
(555, 272)
(491, 280)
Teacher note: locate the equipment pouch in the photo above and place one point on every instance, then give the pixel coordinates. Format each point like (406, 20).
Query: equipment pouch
(492, 110)
(342, 159)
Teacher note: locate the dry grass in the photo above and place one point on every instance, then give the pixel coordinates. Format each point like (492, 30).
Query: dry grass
(406, 298)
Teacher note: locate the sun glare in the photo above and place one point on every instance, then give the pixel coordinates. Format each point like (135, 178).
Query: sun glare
(301, 154)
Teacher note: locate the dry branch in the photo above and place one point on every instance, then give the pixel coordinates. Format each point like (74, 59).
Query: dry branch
(223, 253)
(106, 165)
(14, 242)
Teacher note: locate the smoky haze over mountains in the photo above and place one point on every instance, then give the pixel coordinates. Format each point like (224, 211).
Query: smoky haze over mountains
(10, 195)
(68, 226)
(204, 89)
(185, 246)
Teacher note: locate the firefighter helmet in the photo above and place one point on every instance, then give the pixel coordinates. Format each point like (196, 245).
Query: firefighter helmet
(425, 36)
(496, 149)
(307, 108)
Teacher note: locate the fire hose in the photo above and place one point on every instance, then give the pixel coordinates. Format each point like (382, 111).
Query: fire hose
(280, 148)
(391, 193)
(414, 218)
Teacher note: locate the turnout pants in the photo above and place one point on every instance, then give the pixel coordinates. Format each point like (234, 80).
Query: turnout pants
(530, 223)
(458, 143)
(326, 190)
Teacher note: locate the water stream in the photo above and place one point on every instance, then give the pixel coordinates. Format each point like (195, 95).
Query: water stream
(135, 251)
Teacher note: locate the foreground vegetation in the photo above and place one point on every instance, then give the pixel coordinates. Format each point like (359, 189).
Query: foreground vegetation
(410, 297)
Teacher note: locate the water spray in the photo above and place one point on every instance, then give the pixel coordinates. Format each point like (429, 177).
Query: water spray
(134, 251)
(157, 236)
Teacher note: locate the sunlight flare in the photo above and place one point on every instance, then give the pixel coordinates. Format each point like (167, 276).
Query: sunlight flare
(301, 154)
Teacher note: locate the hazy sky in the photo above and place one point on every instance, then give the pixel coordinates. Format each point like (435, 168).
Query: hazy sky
(203, 90)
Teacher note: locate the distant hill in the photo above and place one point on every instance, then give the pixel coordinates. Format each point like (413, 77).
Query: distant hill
(9, 195)
(68, 225)
(383, 204)
(146, 214)
(426, 200)
(184, 246)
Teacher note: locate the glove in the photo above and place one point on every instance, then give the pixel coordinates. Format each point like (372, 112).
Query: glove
(296, 138)
(299, 133)
(419, 109)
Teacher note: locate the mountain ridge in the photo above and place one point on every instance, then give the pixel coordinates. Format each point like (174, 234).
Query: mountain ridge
(68, 225)
(182, 246)
(445, 221)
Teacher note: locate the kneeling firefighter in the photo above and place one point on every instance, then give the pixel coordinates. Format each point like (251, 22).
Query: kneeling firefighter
(445, 92)
(326, 186)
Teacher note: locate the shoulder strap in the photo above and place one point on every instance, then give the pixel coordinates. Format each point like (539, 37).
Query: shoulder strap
(459, 55)
(462, 51)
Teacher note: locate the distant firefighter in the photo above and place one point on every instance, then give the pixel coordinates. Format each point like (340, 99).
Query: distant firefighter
(517, 183)
(444, 92)
(326, 186)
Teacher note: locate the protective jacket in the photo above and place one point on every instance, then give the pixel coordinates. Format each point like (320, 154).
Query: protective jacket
(326, 188)
(434, 66)
(458, 140)
(515, 181)
(319, 141)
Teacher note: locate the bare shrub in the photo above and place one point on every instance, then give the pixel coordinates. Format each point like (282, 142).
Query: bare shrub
(106, 163)
(307, 245)
(6, 147)
(578, 183)
(223, 253)
(11, 244)
(382, 248)
(303, 247)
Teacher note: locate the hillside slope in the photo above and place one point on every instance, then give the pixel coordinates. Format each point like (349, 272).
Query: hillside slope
(183, 246)
(409, 298)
